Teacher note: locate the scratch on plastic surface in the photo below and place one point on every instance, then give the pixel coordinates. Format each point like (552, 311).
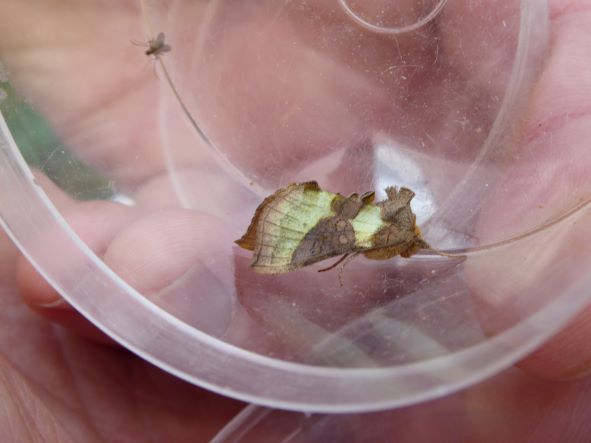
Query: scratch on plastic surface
(50, 157)
(392, 68)
(275, 17)
(436, 52)
(429, 136)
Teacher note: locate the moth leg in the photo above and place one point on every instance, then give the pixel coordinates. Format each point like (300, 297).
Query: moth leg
(346, 259)
(335, 264)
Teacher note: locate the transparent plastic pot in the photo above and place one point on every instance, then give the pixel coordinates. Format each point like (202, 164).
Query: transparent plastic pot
(255, 96)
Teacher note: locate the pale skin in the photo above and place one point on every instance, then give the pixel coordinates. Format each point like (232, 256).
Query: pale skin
(63, 383)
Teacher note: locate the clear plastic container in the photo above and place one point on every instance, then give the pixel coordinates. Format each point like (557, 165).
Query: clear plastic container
(256, 95)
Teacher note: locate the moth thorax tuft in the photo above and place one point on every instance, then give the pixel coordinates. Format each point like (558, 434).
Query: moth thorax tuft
(398, 201)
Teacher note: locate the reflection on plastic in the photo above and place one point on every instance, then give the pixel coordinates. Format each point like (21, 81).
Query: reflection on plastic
(377, 24)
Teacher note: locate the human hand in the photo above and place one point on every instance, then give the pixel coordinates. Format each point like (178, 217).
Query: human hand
(126, 226)
(55, 386)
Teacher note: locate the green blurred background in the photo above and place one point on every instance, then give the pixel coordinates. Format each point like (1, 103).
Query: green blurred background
(43, 150)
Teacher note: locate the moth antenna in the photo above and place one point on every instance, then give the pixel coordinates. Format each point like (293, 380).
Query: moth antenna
(427, 246)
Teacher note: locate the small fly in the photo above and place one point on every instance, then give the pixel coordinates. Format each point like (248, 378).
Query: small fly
(157, 46)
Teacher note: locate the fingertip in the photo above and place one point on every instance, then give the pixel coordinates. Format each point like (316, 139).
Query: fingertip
(95, 223)
(158, 249)
(33, 288)
(66, 316)
(43, 299)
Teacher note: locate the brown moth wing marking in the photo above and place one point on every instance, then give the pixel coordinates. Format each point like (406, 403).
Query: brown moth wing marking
(332, 236)
(368, 197)
(389, 242)
(346, 207)
(399, 235)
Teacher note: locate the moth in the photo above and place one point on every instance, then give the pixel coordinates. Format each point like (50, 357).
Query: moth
(302, 224)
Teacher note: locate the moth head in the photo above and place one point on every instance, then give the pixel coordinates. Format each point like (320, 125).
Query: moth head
(414, 246)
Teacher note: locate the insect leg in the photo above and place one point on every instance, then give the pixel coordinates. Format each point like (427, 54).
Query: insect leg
(344, 261)
(335, 264)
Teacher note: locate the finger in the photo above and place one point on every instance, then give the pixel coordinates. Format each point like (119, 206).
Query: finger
(176, 243)
(94, 90)
(180, 260)
(479, 38)
(565, 356)
(96, 223)
(25, 415)
(545, 178)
